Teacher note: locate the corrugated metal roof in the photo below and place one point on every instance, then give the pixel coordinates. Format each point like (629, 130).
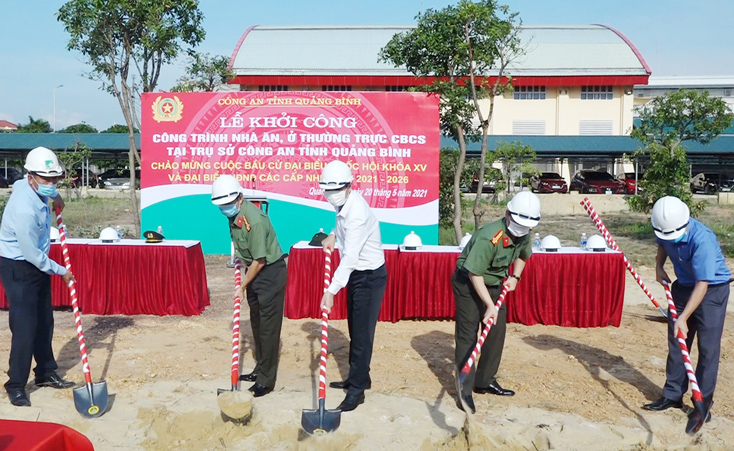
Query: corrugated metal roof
(98, 142)
(591, 145)
(353, 50)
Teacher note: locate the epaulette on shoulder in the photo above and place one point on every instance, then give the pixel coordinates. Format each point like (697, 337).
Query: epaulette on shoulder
(497, 237)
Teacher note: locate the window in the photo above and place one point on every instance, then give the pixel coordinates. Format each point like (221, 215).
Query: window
(272, 88)
(728, 92)
(530, 93)
(396, 88)
(335, 88)
(589, 127)
(528, 127)
(596, 93)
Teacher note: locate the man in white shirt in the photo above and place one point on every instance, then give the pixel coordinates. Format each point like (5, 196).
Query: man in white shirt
(361, 270)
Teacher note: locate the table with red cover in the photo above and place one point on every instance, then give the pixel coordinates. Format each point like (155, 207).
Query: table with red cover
(38, 436)
(572, 288)
(132, 277)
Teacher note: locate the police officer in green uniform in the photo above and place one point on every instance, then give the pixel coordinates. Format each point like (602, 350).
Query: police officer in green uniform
(255, 243)
(477, 281)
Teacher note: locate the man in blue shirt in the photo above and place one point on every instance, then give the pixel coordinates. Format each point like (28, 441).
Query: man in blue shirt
(700, 294)
(25, 272)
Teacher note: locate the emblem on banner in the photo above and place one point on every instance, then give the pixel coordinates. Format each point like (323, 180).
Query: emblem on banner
(166, 109)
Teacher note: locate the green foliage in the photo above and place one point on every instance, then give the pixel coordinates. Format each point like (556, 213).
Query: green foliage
(119, 128)
(665, 123)
(684, 115)
(448, 163)
(516, 157)
(35, 126)
(79, 128)
(204, 73)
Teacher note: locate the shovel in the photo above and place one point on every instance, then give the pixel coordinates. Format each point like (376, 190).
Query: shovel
(235, 404)
(464, 373)
(695, 421)
(90, 400)
(321, 421)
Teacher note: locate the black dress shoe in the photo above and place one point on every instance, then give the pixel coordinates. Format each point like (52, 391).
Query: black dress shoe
(662, 404)
(18, 397)
(351, 402)
(249, 377)
(54, 381)
(469, 401)
(494, 389)
(345, 384)
(260, 390)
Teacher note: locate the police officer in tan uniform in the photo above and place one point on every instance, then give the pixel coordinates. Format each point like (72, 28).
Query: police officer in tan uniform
(255, 243)
(477, 282)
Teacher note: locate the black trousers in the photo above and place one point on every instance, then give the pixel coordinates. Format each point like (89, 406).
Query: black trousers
(469, 313)
(706, 322)
(31, 321)
(365, 291)
(266, 298)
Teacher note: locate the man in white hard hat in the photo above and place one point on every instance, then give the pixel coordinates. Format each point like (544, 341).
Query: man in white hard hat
(257, 246)
(700, 293)
(481, 271)
(25, 271)
(361, 270)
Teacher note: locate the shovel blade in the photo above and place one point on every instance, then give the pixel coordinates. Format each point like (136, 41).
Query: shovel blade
(696, 418)
(318, 422)
(90, 400)
(460, 380)
(235, 405)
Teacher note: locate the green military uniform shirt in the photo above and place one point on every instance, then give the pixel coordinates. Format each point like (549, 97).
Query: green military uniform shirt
(491, 251)
(253, 235)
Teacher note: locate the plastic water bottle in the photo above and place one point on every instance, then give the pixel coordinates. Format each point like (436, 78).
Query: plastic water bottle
(583, 241)
(118, 229)
(536, 242)
(160, 230)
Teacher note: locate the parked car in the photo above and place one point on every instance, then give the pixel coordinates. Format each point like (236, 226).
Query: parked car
(118, 179)
(628, 178)
(75, 178)
(711, 182)
(596, 182)
(548, 182)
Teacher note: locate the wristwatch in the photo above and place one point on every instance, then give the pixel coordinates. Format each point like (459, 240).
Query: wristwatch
(516, 277)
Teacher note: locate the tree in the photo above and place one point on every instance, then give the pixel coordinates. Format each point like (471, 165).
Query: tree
(204, 73)
(71, 159)
(516, 158)
(79, 128)
(448, 162)
(665, 123)
(119, 128)
(35, 126)
(117, 37)
(457, 47)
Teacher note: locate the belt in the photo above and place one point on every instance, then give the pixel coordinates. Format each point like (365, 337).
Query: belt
(369, 271)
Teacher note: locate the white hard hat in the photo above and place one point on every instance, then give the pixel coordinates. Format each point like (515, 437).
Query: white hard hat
(465, 240)
(55, 236)
(109, 235)
(524, 209)
(550, 243)
(596, 243)
(411, 242)
(225, 189)
(43, 162)
(670, 217)
(335, 175)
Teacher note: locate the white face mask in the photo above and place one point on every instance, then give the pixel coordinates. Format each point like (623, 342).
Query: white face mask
(336, 198)
(517, 229)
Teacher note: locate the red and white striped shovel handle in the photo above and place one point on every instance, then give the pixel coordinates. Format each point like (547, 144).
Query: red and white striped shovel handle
(613, 244)
(235, 373)
(324, 327)
(478, 348)
(74, 300)
(697, 395)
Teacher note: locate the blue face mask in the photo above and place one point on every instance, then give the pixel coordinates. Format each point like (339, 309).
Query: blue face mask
(680, 238)
(47, 190)
(229, 211)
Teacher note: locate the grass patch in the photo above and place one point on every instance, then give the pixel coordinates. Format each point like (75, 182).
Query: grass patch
(85, 218)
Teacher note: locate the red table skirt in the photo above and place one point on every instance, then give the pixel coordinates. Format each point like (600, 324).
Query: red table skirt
(134, 279)
(582, 289)
(36, 436)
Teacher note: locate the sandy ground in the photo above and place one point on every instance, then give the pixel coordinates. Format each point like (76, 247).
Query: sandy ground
(577, 389)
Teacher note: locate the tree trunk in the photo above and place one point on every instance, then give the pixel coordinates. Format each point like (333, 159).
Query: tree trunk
(458, 232)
